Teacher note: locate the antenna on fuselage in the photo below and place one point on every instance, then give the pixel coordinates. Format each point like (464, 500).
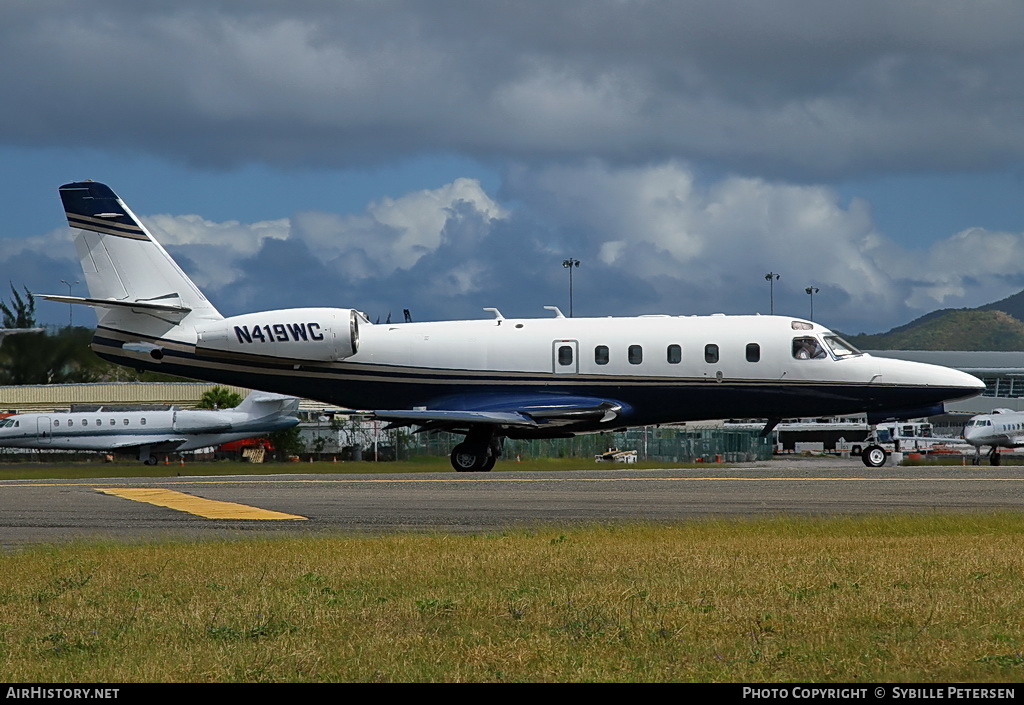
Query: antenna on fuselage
(558, 312)
(497, 314)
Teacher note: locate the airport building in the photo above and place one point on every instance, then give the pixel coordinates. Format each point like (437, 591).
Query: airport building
(1002, 373)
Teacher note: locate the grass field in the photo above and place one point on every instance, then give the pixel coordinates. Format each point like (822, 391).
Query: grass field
(915, 598)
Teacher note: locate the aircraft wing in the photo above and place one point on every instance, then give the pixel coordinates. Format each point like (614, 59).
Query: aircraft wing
(510, 411)
(169, 442)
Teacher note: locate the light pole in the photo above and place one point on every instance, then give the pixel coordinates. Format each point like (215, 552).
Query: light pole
(570, 264)
(71, 308)
(771, 278)
(811, 291)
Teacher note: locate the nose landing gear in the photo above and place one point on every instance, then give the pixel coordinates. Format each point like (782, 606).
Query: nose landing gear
(874, 456)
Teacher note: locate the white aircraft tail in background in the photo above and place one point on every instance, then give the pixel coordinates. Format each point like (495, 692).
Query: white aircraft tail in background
(487, 379)
(150, 432)
(4, 332)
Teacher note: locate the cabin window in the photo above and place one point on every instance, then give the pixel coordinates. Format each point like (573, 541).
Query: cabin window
(753, 352)
(601, 355)
(85, 422)
(675, 354)
(808, 349)
(126, 422)
(711, 353)
(565, 355)
(56, 422)
(635, 354)
(113, 422)
(71, 422)
(142, 421)
(99, 422)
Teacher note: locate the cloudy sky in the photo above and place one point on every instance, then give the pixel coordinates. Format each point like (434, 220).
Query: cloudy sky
(448, 155)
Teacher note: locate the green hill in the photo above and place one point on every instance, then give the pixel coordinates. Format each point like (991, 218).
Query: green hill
(960, 329)
(1013, 305)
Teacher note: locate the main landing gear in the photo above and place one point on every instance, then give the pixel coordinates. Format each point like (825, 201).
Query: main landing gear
(478, 453)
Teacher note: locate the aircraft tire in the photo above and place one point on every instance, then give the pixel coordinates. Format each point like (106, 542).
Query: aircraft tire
(465, 458)
(151, 460)
(874, 456)
(994, 458)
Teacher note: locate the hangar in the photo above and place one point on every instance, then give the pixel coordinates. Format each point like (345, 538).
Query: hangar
(1002, 373)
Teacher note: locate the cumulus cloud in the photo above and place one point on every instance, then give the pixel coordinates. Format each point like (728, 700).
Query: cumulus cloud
(652, 239)
(806, 90)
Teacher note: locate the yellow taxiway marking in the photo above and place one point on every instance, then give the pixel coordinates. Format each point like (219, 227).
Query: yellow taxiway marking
(208, 508)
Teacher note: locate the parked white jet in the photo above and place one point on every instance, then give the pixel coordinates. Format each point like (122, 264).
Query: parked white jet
(1002, 428)
(486, 379)
(4, 332)
(150, 432)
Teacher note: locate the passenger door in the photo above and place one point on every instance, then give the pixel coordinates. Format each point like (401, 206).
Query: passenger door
(565, 358)
(44, 429)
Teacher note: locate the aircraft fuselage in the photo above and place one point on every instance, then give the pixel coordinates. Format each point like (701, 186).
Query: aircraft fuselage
(662, 369)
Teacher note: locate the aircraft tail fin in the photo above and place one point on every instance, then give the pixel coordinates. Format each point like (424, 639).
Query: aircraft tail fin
(133, 283)
(260, 404)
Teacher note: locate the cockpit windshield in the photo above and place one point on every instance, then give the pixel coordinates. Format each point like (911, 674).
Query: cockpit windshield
(840, 348)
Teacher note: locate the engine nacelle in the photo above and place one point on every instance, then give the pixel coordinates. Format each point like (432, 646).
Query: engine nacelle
(315, 334)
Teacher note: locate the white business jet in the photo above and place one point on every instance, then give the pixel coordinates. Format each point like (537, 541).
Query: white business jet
(149, 432)
(486, 379)
(1002, 428)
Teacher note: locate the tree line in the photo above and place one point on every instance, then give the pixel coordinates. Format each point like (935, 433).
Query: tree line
(54, 357)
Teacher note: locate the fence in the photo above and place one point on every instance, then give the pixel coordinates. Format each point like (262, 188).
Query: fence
(361, 441)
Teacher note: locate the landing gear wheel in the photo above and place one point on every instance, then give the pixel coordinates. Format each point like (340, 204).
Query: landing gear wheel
(151, 460)
(994, 458)
(874, 456)
(467, 458)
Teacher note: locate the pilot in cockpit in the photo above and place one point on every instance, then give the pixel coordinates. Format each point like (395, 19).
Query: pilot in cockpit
(808, 349)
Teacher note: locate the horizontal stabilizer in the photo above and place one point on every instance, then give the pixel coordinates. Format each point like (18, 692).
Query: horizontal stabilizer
(110, 303)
